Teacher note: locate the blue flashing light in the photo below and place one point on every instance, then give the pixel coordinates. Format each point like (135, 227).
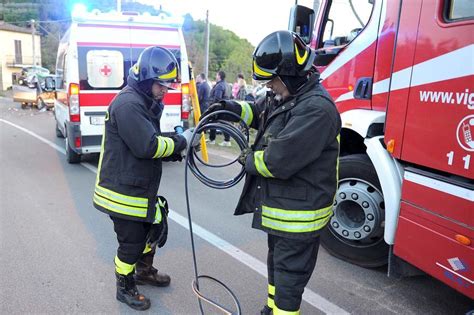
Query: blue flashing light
(78, 10)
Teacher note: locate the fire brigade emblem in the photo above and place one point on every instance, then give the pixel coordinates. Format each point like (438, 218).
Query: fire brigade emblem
(105, 70)
(465, 133)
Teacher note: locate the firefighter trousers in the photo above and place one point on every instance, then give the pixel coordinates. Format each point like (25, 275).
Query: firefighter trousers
(132, 237)
(290, 263)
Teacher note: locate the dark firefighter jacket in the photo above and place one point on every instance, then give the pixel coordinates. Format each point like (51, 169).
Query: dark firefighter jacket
(292, 172)
(129, 169)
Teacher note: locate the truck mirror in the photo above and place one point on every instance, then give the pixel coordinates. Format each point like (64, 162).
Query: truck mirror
(49, 84)
(302, 22)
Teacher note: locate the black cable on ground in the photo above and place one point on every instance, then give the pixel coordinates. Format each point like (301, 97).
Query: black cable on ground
(241, 136)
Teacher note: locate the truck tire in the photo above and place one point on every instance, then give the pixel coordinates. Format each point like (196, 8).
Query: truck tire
(71, 156)
(355, 232)
(59, 134)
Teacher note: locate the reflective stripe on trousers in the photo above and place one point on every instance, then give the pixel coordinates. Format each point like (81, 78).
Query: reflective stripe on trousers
(295, 221)
(120, 203)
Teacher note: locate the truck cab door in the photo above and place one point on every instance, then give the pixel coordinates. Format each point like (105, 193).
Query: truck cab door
(345, 40)
(430, 122)
(439, 128)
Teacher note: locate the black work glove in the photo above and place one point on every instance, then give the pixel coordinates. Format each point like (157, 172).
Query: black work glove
(173, 158)
(243, 155)
(159, 231)
(231, 106)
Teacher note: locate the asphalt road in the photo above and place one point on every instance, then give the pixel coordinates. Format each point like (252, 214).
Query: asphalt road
(57, 250)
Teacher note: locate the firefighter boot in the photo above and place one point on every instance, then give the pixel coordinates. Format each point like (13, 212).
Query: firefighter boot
(147, 274)
(266, 311)
(127, 293)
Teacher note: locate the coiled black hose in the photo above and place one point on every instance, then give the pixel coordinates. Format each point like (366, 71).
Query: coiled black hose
(240, 134)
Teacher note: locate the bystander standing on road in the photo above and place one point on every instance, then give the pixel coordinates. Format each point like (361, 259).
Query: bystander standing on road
(219, 92)
(242, 88)
(203, 90)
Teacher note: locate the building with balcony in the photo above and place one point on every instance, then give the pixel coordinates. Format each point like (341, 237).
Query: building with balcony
(16, 51)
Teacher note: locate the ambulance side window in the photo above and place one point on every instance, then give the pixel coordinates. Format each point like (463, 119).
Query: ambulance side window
(61, 70)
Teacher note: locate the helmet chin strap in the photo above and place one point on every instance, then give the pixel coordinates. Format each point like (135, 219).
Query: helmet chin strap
(294, 84)
(145, 87)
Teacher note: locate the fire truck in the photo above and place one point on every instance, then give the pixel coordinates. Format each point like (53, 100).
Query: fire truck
(402, 76)
(93, 60)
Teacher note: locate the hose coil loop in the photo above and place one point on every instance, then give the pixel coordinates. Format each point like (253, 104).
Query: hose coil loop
(240, 135)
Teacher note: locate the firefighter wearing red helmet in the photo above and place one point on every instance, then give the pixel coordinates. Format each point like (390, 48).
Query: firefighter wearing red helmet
(292, 168)
(129, 172)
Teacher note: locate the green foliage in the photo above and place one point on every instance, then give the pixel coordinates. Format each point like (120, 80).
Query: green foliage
(49, 45)
(19, 13)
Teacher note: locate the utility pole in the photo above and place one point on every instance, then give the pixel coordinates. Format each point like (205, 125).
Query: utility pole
(33, 31)
(206, 43)
(119, 6)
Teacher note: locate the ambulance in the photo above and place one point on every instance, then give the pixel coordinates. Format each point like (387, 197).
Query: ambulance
(93, 60)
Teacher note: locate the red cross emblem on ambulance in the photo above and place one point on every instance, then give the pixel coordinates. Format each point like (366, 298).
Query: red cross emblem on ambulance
(105, 70)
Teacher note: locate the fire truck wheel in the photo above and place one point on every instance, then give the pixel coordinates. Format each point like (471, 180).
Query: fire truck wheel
(71, 156)
(355, 232)
(59, 134)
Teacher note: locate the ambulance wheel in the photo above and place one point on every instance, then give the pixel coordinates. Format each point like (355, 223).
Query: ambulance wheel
(59, 134)
(355, 233)
(71, 156)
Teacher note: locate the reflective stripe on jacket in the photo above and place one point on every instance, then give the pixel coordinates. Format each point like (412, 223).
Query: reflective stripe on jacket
(129, 170)
(292, 172)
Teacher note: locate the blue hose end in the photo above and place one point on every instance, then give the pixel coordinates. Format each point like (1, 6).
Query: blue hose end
(179, 129)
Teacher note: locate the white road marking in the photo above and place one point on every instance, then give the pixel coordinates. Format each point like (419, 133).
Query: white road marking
(51, 144)
(253, 263)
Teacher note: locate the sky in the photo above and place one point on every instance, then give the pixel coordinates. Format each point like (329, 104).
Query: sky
(249, 19)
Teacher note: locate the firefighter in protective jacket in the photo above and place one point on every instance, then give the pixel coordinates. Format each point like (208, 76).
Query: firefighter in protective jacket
(292, 169)
(130, 170)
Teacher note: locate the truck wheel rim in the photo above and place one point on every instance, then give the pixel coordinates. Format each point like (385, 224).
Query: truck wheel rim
(358, 211)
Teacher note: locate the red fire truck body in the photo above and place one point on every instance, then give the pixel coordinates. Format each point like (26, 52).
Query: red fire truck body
(403, 81)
